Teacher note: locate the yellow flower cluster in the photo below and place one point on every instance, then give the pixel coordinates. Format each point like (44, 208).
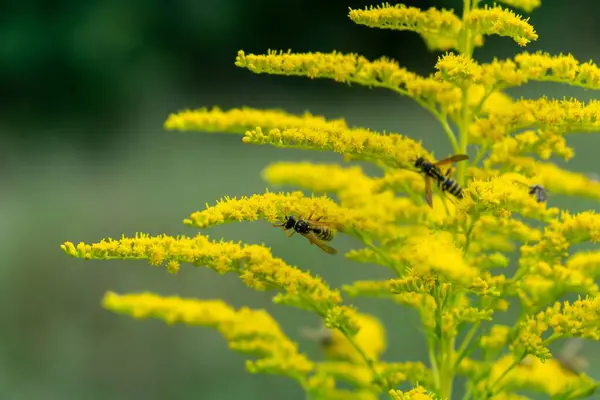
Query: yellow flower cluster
(498, 21)
(254, 264)
(248, 331)
(492, 212)
(243, 119)
(439, 28)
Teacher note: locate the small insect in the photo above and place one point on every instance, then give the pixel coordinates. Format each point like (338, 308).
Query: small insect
(323, 336)
(570, 357)
(316, 231)
(444, 182)
(538, 191)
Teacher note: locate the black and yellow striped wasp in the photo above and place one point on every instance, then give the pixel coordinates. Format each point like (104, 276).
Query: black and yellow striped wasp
(444, 182)
(316, 231)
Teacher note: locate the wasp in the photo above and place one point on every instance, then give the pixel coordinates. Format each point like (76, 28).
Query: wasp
(444, 182)
(316, 231)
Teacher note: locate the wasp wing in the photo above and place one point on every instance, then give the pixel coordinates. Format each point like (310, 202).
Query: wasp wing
(452, 159)
(314, 240)
(428, 194)
(329, 224)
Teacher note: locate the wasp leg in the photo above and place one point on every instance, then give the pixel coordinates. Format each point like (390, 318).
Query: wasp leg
(290, 233)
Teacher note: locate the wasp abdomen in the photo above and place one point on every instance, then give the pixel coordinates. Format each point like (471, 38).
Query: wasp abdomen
(323, 233)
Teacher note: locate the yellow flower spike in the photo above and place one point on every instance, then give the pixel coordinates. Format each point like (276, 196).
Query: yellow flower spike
(561, 181)
(439, 28)
(418, 393)
(392, 149)
(239, 120)
(401, 181)
(458, 69)
(580, 318)
(248, 331)
(435, 253)
(368, 340)
(562, 68)
(534, 375)
(352, 186)
(588, 262)
(554, 116)
(274, 206)
(525, 5)
(543, 143)
(560, 235)
(498, 21)
(496, 339)
(254, 264)
(500, 197)
(351, 68)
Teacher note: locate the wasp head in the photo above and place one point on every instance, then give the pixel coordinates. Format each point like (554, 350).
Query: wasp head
(289, 222)
(419, 162)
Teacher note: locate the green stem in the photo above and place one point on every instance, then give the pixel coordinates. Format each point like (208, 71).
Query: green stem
(443, 118)
(465, 118)
(480, 154)
(368, 361)
(489, 391)
(466, 344)
(469, 233)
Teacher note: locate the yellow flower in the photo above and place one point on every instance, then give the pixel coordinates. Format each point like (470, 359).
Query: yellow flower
(418, 393)
(254, 264)
(535, 375)
(351, 68)
(458, 69)
(439, 28)
(498, 21)
(430, 252)
(369, 341)
(248, 331)
(239, 120)
(500, 197)
(392, 149)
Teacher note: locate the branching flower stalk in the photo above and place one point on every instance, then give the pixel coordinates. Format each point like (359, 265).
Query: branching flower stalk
(450, 260)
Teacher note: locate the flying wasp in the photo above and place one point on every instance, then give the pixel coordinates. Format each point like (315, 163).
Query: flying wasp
(444, 182)
(316, 231)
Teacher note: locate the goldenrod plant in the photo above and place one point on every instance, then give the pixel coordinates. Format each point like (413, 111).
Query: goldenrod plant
(449, 260)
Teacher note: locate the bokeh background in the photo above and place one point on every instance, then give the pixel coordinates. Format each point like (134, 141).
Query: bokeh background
(86, 87)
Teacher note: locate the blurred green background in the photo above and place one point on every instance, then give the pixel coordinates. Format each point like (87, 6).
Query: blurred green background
(86, 87)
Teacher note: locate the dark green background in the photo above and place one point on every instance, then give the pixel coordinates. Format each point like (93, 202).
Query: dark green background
(86, 87)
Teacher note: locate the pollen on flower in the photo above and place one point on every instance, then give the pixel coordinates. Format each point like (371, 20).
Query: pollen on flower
(392, 149)
(458, 69)
(351, 68)
(439, 28)
(255, 265)
(430, 252)
(239, 120)
(248, 331)
(498, 21)
(418, 393)
(501, 196)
